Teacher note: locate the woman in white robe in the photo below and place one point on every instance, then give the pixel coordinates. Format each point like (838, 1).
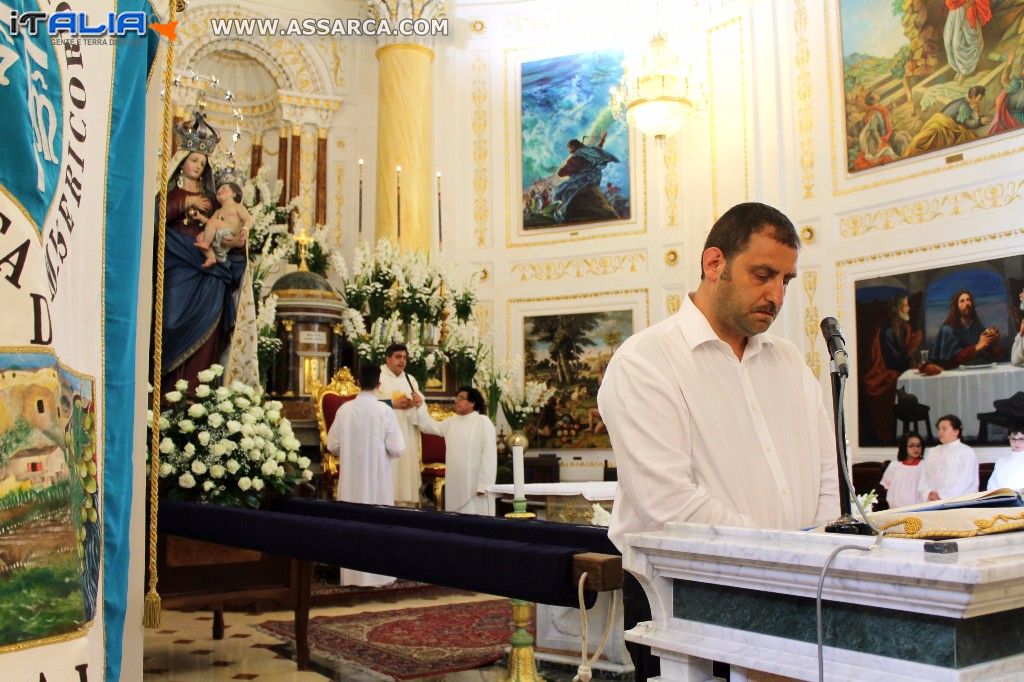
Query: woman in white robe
(471, 454)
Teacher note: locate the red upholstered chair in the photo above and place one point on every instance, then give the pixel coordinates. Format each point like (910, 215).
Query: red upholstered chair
(327, 400)
(432, 456)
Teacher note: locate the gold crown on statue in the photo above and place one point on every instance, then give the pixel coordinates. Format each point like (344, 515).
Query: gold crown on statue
(196, 135)
(229, 174)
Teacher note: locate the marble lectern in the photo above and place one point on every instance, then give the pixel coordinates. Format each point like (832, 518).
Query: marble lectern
(747, 597)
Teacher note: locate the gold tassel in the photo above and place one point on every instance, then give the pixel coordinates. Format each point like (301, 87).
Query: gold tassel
(151, 610)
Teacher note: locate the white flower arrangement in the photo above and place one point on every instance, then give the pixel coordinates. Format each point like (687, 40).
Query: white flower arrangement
(520, 402)
(206, 457)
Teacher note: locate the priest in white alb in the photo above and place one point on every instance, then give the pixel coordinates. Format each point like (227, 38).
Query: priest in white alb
(366, 438)
(471, 454)
(404, 393)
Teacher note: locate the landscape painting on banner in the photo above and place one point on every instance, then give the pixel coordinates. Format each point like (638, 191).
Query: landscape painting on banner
(49, 535)
(575, 155)
(928, 75)
(571, 352)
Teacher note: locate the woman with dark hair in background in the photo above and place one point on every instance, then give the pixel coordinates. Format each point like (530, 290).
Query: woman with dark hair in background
(901, 477)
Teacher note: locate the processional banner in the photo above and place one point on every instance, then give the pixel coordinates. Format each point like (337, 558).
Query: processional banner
(70, 215)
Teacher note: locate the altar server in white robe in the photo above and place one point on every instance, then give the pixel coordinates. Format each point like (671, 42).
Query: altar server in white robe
(1009, 469)
(404, 393)
(366, 438)
(950, 469)
(471, 453)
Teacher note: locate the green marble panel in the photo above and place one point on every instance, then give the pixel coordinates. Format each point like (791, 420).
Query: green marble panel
(905, 635)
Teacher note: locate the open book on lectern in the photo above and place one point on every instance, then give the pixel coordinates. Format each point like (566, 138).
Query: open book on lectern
(1000, 497)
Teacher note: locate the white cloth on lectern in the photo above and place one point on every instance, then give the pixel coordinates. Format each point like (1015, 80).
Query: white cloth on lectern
(366, 438)
(471, 459)
(950, 469)
(407, 468)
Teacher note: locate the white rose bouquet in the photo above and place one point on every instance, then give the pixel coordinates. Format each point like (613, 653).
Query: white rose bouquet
(228, 446)
(520, 404)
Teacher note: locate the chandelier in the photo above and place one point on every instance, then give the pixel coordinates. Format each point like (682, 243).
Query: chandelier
(656, 97)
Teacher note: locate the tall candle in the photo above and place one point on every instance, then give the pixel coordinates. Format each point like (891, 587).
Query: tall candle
(361, 162)
(518, 475)
(398, 198)
(440, 234)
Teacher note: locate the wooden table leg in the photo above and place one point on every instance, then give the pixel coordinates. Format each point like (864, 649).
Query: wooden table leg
(304, 573)
(218, 623)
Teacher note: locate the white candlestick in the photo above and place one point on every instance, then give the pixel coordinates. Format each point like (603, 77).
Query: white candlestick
(518, 475)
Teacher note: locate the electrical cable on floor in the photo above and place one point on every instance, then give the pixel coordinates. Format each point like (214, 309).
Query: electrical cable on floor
(583, 673)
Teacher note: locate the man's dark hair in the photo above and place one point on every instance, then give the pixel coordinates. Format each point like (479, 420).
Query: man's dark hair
(901, 449)
(369, 376)
(976, 90)
(574, 144)
(395, 348)
(1016, 427)
(731, 233)
(954, 421)
(474, 396)
(953, 318)
(896, 302)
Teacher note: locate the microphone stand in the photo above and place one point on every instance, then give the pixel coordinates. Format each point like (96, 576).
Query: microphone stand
(846, 523)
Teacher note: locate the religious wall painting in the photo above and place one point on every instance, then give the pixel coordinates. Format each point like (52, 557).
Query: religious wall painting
(570, 352)
(915, 331)
(920, 77)
(575, 155)
(49, 523)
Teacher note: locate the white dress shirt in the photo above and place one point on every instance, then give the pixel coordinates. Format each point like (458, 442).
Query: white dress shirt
(702, 436)
(1008, 472)
(950, 469)
(471, 458)
(900, 482)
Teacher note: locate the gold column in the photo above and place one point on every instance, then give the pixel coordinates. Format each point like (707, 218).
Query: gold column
(179, 116)
(321, 178)
(282, 165)
(404, 139)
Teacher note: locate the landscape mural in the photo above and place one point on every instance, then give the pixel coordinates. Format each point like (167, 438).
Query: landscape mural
(920, 77)
(571, 352)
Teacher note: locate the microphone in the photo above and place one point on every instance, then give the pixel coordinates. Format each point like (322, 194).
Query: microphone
(836, 345)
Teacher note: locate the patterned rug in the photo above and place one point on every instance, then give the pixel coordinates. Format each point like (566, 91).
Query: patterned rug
(405, 644)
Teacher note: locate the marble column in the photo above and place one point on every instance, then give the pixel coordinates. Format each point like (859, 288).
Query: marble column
(404, 139)
(320, 211)
(256, 154)
(282, 165)
(295, 172)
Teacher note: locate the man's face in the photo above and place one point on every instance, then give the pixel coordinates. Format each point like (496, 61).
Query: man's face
(463, 405)
(750, 291)
(965, 304)
(1017, 441)
(947, 434)
(396, 361)
(903, 310)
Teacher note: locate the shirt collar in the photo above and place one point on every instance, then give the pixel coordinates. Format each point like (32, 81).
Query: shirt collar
(697, 330)
(385, 368)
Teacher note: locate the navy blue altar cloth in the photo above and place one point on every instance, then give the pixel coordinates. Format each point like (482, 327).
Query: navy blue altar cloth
(593, 538)
(531, 571)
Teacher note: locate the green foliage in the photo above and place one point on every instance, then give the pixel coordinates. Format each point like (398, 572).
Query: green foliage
(40, 602)
(14, 439)
(316, 259)
(899, 63)
(897, 8)
(42, 501)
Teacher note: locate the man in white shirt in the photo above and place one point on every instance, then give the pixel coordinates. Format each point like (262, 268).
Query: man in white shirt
(1009, 469)
(366, 438)
(950, 469)
(403, 392)
(711, 419)
(471, 454)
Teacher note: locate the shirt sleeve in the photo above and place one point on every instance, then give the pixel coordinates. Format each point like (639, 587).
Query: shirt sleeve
(488, 450)
(1017, 350)
(648, 423)
(334, 435)
(993, 480)
(394, 443)
(429, 425)
(828, 486)
(887, 475)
